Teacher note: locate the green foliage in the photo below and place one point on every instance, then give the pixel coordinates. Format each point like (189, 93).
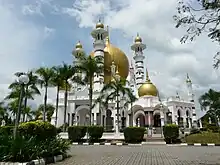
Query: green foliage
(134, 134)
(49, 110)
(95, 133)
(6, 130)
(204, 137)
(40, 129)
(213, 128)
(76, 133)
(24, 148)
(195, 131)
(171, 133)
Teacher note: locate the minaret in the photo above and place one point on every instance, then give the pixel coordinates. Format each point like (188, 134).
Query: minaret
(138, 48)
(99, 34)
(132, 77)
(191, 99)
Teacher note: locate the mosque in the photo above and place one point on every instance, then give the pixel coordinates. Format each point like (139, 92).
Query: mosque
(149, 110)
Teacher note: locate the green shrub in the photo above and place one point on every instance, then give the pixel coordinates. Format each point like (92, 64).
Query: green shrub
(204, 137)
(42, 130)
(195, 131)
(95, 133)
(6, 130)
(212, 127)
(76, 133)
(171, 133)
(203, 129)
(134, 134)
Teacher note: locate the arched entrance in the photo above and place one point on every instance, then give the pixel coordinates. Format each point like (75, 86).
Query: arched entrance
(83, 117)
(109, 120)
(157, 120)
(139, 119)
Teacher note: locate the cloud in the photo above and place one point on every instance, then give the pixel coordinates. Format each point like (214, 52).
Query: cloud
(164, 53)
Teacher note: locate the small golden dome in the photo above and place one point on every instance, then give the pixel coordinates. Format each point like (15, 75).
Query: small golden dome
(79, 45)
(137, 39)
(148, 88)
(99, 25)
(112, 53)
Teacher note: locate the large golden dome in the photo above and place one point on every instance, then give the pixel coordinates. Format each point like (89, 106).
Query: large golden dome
(148, 88)
(114, 54)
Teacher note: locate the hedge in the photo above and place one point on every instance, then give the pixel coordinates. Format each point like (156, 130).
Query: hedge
(204, 137)
(95, 133)
(76, 133)
(134, 134)
(171, 133)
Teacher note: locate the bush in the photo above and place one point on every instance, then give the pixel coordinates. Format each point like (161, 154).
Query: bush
(195, 131)
(6, 130)
(24, 149)
(171, 133)
(42, 130)
(134, 134)
(213, 128)
(204, 137)
(203, 129)
(76, 133)
(95, 133)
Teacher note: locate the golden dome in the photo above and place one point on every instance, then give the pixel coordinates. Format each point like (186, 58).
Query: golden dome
(99, 25)
(137, 39)
(79, 45)
(112, 53)
(148, 88)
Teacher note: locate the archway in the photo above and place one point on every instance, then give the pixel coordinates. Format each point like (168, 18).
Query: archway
(109, 120)
(188, 119)
(179, 118)
(157, 120)
(139, 118)
(83, 117)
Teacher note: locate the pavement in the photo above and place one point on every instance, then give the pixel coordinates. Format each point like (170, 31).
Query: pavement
(143, 155)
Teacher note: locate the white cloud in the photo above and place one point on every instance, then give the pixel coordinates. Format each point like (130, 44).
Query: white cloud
(153, 19)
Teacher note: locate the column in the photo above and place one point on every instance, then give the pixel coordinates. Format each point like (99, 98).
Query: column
(189, 123)
(185, 122)
(149, 119)
(162, 120)
(94, 118)
(200, 123)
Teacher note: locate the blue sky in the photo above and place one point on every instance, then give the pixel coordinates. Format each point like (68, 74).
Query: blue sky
(38, 33)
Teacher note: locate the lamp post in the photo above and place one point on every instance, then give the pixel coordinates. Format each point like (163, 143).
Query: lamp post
(170, 117)
(22, 80)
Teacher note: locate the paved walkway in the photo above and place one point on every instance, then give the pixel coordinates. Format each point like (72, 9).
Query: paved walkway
(143, 155)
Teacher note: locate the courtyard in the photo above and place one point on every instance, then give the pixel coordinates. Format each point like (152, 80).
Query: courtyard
(143, 155)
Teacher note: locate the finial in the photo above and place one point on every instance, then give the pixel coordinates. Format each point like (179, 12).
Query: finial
(137, 34)
(188, 79)
(137, 39)
(78, 45)
(147, 76)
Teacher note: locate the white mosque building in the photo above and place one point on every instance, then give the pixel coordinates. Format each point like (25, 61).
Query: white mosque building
(148, 110)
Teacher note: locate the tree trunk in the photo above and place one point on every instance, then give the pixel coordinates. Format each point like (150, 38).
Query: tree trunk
(45, 103)
(90, 100)
(117, 99)
(65, 105)
(57, 102)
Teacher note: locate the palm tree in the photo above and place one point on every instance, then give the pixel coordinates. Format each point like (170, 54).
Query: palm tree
(89, 66)
(57, 81)
(210, 101)
(113, 90)
(45, 76)
(130, 100)
(49, 110)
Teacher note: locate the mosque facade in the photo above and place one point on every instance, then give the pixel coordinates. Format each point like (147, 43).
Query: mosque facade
(147, 111)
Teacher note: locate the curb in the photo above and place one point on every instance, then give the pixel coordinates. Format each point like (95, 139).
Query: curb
(43, 161)
(147, 143)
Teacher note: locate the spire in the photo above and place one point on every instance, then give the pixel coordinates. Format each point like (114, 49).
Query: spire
(107, 38)
(188, 79)
(147, 76)
(132, 67)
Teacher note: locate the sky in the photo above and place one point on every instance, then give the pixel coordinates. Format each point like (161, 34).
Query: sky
(36, 33)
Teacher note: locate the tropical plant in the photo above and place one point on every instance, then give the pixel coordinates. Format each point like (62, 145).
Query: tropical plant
(210, 101)
(112, 91)
(57, 81)
(201, 16)
(49, 110)
(45, 76)
(89, 66)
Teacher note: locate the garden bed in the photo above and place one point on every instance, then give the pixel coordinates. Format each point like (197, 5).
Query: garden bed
(203, 138)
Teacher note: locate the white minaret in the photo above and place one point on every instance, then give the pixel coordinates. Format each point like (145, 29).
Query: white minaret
(132, 77)
(191, 99)
(99, 34)
(138, 48)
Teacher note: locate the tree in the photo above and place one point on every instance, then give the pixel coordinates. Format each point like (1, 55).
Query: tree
(49, 111)
(89, 66)
(57, 81)
(113, 91)
(45, 77)
(200, 16)
(210, 101)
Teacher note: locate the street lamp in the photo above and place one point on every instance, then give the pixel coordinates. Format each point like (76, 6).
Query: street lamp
(170, 117)
(22, 80)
